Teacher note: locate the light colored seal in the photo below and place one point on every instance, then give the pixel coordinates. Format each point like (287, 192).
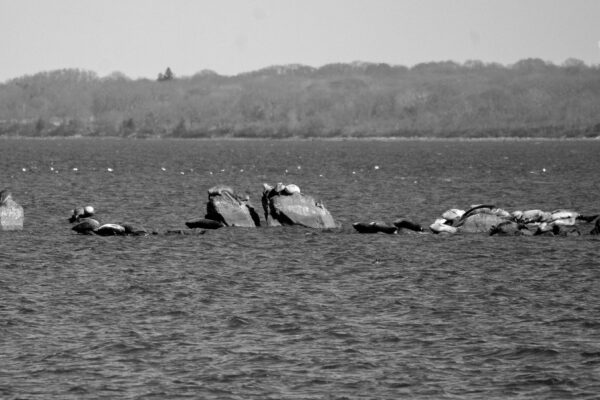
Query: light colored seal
(291, 189)
(440, 226)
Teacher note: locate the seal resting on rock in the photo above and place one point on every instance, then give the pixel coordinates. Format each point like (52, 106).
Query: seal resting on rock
(452, 215)
(440, 226)
(81, 212)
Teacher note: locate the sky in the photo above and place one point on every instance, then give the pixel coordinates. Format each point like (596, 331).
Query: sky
(140, 38)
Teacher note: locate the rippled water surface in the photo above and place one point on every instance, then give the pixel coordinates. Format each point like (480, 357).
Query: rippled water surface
(292, 313)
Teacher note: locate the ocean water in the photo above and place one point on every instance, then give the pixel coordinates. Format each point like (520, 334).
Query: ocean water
(294, 313)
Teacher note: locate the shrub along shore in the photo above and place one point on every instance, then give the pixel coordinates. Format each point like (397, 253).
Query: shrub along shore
(529, 99)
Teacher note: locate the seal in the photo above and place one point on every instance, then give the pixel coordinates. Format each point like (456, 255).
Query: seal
(205, 223)
(403, 223)
(81, 212)
(440, 226)
(110, 230)
(374, 227)
(291, 189)
(86, 226)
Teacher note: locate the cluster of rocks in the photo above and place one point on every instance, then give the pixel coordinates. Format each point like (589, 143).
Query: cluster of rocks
(285, 205)
(85, 224)
(496, 221)
(11, 213)
(492, 220)
(282, 205)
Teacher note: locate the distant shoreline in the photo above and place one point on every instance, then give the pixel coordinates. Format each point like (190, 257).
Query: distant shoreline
(312, 139)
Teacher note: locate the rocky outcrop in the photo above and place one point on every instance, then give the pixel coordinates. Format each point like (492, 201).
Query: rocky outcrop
(11, 213)
(286, 205)
(230, 209)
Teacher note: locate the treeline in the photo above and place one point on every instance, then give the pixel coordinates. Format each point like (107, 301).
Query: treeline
(531, 98)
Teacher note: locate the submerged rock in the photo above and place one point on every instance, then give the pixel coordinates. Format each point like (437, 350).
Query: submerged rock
(285, 206)
(11, 213)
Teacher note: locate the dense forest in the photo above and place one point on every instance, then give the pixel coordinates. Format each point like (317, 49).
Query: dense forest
(531, 98)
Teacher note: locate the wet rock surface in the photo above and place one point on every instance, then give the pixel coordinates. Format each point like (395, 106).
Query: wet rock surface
(11, 213)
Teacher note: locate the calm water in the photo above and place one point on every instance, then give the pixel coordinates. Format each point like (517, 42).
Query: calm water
(290, 313)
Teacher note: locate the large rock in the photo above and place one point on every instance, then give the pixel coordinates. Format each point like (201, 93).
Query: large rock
(230, 209)
(480, 222)
(286, 205)
(11, 213)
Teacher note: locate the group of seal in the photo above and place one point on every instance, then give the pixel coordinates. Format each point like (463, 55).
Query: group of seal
(286, 205)
(224, 210)
(86, 225)
(490, 219)
(487, 218)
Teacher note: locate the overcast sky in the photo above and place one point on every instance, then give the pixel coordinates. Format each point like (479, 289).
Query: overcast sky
(142, 37)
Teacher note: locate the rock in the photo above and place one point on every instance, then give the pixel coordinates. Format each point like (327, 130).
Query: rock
(86, 226)
(11, 213)
(294, 209)
(565, 230)
(374, 227)
(510, 228)
(226, 207)
(205, 223)
(479, 222)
